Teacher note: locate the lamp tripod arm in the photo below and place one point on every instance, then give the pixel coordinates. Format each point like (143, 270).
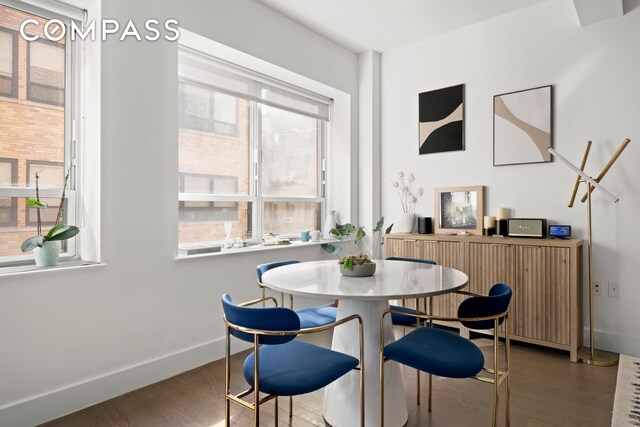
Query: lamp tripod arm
(583, 175)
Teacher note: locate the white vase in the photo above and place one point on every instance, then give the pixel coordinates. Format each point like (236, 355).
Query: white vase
(405, 223)
(329, 223)
(47, 255)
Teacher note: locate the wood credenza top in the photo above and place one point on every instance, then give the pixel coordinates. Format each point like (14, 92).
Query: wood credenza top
(518, 241)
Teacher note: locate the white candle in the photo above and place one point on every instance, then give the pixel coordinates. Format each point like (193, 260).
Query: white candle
(502, 213)
(489, 222)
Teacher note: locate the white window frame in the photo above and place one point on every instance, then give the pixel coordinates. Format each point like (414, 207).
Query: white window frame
(74, 78)
(254, 196)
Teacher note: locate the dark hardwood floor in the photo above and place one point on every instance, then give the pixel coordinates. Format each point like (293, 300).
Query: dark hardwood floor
(546, 390)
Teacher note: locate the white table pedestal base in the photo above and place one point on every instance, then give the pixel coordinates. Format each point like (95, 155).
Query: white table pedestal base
(342, 397)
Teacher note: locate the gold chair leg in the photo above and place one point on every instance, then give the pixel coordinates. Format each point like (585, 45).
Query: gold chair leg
(256, 381)
(227, 385)
(496, 375)
(361, 333)
(507, 357)
(430, 390)
(290, 406)
(381, 367)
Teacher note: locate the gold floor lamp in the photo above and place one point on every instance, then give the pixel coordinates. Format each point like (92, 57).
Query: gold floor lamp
(590, 355)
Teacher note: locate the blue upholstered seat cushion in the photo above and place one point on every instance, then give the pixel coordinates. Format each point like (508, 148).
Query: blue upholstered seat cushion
(297, 367)
(403, 319)
(438, 352)
(316, 316)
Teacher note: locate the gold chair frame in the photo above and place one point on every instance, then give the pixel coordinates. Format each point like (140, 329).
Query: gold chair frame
(498, 377)
(255, 389)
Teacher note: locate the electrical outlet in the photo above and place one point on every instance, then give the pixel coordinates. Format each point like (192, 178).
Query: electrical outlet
(597, 288)
(614, 289)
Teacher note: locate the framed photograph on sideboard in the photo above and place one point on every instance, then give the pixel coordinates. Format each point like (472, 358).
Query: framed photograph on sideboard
(459, 210)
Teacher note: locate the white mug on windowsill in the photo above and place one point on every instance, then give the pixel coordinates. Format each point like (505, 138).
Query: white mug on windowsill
(315, 235)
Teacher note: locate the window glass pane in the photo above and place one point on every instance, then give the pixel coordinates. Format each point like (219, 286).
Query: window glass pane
(8, 213)
(217, 156)
(46, 72)
(6, 174)
(22, 225)
(196, 102)
(51, 175)
(207, 225)
(224, 108)
(206, 110)
(32, 133)
(8, 60)
(5, 86)
(291, 218)
(289, 154)
(47, 215)
(6, 54)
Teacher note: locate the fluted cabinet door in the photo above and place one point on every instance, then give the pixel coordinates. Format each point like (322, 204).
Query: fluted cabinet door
(541, 299)
(405, 248)
(490, 264)
(446, 254)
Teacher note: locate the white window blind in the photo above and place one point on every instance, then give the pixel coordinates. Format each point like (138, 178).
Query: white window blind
(200, 69)
(50, 9)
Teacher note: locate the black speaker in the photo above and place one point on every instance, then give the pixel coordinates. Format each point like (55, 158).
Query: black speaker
(502, 227)
(425, 225)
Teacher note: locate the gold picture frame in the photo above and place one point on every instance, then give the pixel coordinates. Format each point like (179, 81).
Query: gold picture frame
(459, 210)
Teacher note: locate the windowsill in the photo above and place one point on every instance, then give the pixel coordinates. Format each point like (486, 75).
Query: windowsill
(258, 248)
(70, 264)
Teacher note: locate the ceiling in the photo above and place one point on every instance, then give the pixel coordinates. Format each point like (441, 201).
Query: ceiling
(384, 25)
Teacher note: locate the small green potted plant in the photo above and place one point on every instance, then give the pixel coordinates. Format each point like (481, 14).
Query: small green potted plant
(46, 248)
(356, 263)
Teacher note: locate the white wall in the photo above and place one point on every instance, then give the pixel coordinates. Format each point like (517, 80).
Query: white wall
(73, 338)
(594, 71)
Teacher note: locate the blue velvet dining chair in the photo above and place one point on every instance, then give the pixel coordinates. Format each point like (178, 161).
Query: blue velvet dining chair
(404, 316)
(310, 317)
(280, 364)
(446, 354)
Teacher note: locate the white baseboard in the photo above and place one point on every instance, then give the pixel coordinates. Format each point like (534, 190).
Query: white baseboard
(53, 404)
(616, 343)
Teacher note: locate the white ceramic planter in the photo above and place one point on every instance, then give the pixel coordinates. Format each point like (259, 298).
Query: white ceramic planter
(48, 254)
(405, 224)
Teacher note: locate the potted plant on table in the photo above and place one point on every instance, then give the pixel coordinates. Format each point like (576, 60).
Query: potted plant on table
(356, 263)
(46, 248)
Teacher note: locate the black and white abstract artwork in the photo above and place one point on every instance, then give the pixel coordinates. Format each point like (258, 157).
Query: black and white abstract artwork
(441, 120)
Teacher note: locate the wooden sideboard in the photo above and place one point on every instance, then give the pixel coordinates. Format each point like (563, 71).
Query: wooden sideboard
(545, 275)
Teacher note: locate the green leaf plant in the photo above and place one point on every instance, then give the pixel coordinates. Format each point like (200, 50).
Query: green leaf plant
(59, 231)
(352, 236)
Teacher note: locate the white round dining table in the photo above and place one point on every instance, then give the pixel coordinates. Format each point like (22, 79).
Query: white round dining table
(367, 297)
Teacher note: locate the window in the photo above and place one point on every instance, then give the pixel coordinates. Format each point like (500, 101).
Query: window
(206, 110)
(37, 131)
(51, 175)
(8, 63)
(8, 205)
(269, 177)
(208, 184)
(46, 65)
